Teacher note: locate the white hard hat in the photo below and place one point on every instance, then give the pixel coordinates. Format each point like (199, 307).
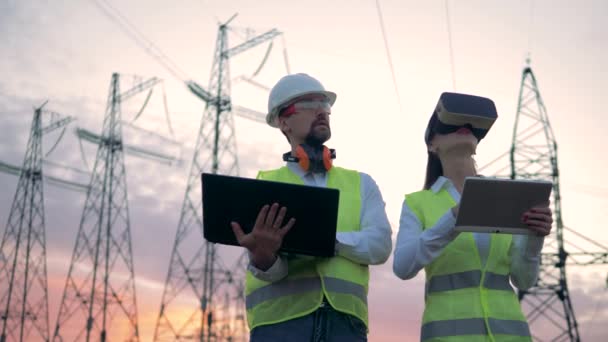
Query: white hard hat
(290, 87)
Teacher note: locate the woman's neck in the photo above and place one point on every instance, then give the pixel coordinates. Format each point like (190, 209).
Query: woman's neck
(456, 167)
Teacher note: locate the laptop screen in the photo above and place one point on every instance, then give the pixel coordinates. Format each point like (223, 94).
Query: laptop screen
(229, 198)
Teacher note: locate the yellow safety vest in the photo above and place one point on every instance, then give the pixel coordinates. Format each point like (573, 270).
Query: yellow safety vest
(463, 300)
(343, 282)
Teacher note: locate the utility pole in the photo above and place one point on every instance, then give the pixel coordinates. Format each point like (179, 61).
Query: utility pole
(99, 300)
(24, 312)
(197, 276)
(533, 155)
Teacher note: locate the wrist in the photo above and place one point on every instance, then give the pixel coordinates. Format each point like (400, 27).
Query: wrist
(263, 261)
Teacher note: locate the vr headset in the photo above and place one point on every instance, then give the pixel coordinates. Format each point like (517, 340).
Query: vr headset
(455, 111)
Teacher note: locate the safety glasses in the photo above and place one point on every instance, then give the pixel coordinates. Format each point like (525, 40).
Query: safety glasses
(306, 105)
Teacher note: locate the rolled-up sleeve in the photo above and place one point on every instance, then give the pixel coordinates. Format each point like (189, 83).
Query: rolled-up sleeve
(372, 244)
(276, 272)
(417, 247)
(525, 254)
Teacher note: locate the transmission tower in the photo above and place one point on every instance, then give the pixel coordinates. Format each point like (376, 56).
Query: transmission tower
(99, 301)
(203, 299)
(533, 155)
(23, 278)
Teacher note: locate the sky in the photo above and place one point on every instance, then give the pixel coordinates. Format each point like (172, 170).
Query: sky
(65, 52)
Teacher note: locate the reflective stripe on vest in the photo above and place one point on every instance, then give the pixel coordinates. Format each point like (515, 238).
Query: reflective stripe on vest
(300, 285)
(341, 281)
(463, 280)
(342, 286)
(282, 288)
(473, 326)
(465, 298)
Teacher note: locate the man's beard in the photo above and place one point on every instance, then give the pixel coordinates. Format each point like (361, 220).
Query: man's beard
(316, 138)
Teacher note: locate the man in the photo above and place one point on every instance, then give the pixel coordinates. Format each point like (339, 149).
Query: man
(297, 298)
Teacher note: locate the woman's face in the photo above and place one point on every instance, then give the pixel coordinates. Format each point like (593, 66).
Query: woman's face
(462, 139)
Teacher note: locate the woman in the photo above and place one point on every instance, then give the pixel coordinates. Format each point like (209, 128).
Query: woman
(467, 294)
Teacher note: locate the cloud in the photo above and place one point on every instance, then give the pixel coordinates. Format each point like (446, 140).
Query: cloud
(155, 196)
(395, 305)
(156, 192)
(67, 53)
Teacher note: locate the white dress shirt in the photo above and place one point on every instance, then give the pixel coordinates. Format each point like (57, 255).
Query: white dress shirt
(416, 248)
(371, 245)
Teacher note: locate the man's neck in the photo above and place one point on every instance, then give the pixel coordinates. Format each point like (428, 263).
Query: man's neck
(293, 149)
(294, 146)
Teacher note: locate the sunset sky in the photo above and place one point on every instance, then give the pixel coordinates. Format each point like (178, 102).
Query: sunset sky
(66, 51)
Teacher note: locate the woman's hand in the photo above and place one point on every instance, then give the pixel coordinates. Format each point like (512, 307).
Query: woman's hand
(539, 219)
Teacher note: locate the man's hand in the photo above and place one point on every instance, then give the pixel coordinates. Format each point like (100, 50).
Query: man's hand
(539, 219)
(266, 236)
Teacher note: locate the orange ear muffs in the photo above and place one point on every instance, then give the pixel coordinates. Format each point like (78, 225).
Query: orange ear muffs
(327, 158)
(312, 159)
(303, 158)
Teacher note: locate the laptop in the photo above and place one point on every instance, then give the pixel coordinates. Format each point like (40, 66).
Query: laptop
(230, 198)
(492, 205)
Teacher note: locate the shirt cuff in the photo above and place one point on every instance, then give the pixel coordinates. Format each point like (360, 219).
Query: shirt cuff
(346, 239)
(276, 272)
(529, 247)
(534, 245)
(351, 246)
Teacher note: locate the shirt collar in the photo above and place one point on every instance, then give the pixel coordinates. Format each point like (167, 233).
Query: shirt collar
(444, 183)
(441, 183)
(295, 168)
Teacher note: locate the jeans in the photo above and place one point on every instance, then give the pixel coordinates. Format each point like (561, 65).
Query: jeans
(323, 325)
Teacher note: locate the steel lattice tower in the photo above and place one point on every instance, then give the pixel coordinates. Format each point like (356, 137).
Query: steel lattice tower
(533, 155)
(203, 299)
(23, 277)
(99, 302)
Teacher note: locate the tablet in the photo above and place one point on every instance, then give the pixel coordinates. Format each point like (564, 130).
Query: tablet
(492, 205)
(229, 198)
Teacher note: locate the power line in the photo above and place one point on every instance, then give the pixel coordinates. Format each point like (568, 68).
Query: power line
(145, 39)
(140, 39)
(388, 54)
(449, 26)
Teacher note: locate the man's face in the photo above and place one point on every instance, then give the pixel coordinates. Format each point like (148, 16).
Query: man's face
(308, 121)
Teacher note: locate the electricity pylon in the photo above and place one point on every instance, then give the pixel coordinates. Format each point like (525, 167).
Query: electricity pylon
(99, 299)
(533, 155)
(24, 312)
(203, 299)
